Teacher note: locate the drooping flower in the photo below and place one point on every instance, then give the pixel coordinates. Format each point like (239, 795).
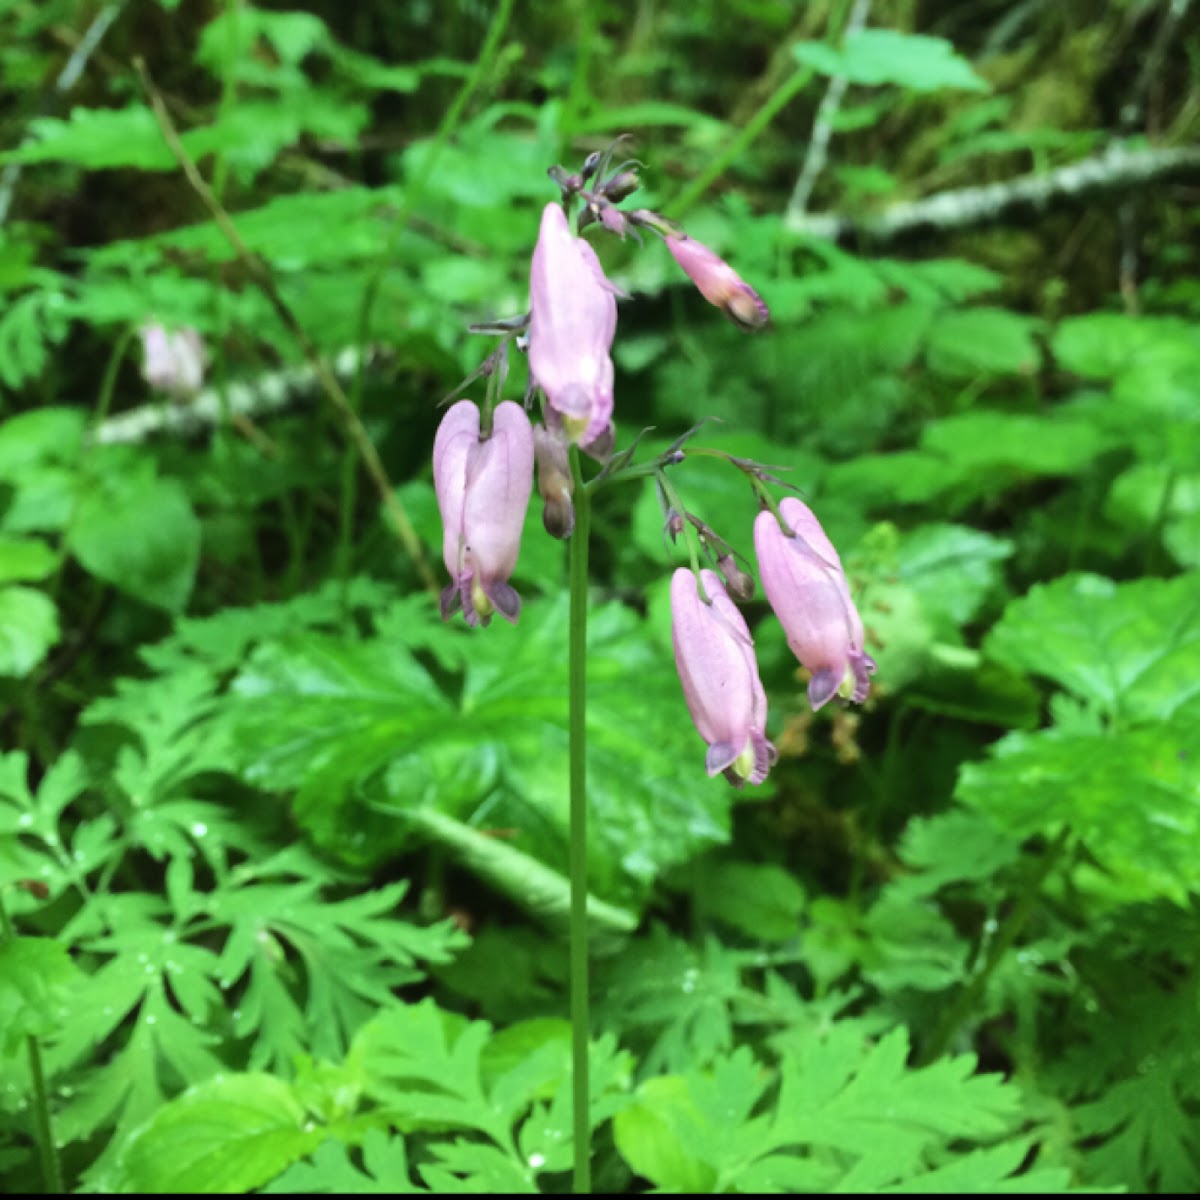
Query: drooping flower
(483, 484)
(572, 320)
(173, 360)
(718, 282)
(714, 654)
(806, 586)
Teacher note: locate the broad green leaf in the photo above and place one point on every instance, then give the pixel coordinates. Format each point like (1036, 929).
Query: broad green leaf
(35, 975)
(1130, 797)
(952, 569)
(97, 138)
(1013, 445)
(331, 717)
(24, 559)
(877, 56)
(230, 1134)
(28, 628)
(645, 1136)
(1100, 345)
(760, 900)
(45, 435)
(968, 342)
(136, 531)
(1132, 650)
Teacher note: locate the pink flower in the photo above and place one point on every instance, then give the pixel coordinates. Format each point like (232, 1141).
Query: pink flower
(483, 485)
(572, 320)
(806, 586)
(174, 360)
(714, 654)
(718, 282)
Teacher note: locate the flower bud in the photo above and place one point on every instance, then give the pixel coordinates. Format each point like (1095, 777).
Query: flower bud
(714, 655)
(174, 360)
(555, 484)
(806, 586)
(718, 282)
(483, 485)
(738, 583)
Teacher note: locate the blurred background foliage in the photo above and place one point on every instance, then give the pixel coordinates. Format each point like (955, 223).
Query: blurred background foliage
(268, 802)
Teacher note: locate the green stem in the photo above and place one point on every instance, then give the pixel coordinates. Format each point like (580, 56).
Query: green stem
(577, 688)
(769, 110)
(44, 1134)
(968, 998)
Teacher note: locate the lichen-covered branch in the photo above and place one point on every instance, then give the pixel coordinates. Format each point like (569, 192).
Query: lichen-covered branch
(1121, 167)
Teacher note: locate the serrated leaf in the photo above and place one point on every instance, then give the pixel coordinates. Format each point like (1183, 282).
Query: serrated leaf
(877, 56)
(952, 569)
(24, 559)
(1129, 796)
(136, 531)
(760, 900)
(385, 1170)
(1132, 650)
(230, 1134)
(969, 342)
(35, 975)
(28, 628)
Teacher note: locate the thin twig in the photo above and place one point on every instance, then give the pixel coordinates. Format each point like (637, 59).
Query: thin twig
(1121, 166)
(818, 144)
(263, 279)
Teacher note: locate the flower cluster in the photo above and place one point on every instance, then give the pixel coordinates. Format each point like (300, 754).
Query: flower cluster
(483, 476)
(173, 361)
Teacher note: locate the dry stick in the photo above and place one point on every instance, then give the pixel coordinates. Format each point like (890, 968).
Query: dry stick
(265, 282)
(818, 144)
(1120, 166)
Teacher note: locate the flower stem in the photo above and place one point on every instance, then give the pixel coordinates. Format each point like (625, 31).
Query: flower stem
(47, 1150)
(577, 689)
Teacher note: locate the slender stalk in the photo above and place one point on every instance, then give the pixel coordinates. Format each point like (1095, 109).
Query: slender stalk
(741, 142)
(47, 1150)
(261, 275)
(968, 998)
(577, 688)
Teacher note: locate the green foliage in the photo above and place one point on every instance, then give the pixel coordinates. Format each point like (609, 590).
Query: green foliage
(283, 857)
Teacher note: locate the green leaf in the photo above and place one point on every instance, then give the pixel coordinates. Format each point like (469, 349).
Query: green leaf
(25, 559)
(136, 531)
(385, 1170)
(1129, 797)
(878, 56)
(28, 628)
(97, 138)
(229, 1134)
(45, 435)
(1129, 649)
(760, 900)
(337, 719)
(1100, 345)
(982, 341)
(952, 569)
(35, 975)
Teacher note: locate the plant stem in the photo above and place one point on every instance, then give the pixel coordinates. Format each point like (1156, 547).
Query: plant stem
(47, 1150)
(967, 999)
(577, 688)
(745, 137)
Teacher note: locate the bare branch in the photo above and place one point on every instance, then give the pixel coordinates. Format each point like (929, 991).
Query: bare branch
(1120, 167)
(818, 145)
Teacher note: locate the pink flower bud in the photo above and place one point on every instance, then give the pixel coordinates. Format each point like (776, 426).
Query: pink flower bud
(572, 320)
(806, 586)
(174, 359)
(714, 654)
(555, 484)
(718, 282)
(483, 485)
